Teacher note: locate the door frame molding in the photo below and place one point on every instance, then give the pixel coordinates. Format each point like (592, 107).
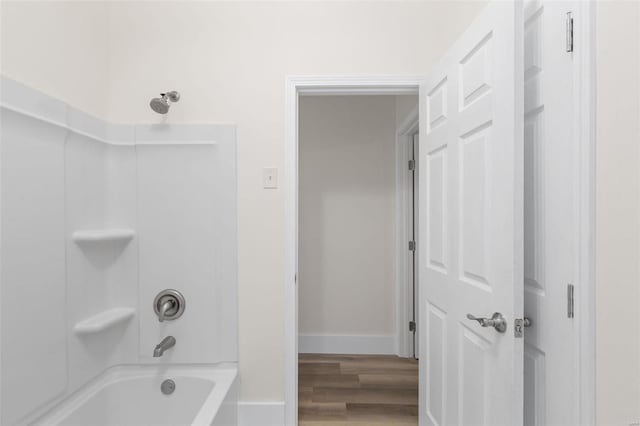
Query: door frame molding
(404, 136)
(296, 86)
(584, 125)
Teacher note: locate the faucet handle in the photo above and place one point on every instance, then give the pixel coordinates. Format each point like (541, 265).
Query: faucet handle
(169, 305)
(166, 306)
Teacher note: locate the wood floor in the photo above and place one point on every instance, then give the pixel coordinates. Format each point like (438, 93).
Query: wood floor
(342, 390)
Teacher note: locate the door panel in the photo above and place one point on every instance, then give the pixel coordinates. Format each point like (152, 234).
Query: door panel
(549, 368)
(471, 206)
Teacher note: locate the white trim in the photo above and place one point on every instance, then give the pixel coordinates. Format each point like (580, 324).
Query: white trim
(294, 86)
(260, 413)
(410, 123)
(356, 91)
(354, 84)
(404, 136)
(584, 125)
(343, 344)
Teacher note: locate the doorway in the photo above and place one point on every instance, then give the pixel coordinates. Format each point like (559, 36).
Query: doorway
(348, 368)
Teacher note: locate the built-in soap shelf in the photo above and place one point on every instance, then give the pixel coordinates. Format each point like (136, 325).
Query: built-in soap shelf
(104, 320)
(102, 235)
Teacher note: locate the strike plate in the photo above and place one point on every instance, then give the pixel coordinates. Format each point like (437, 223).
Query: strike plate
(518, 328)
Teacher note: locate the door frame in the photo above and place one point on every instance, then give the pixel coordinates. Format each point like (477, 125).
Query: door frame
(584, 125)
(404, 136)
(314, 85)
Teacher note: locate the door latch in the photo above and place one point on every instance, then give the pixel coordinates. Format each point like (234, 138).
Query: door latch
(519, 324)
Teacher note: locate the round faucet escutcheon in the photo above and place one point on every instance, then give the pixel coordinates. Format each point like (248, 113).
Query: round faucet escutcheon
(169, 305)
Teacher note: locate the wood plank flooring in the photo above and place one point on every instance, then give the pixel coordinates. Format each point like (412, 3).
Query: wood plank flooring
(344, 390)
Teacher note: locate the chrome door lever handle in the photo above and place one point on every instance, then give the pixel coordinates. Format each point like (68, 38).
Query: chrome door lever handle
(496, 321)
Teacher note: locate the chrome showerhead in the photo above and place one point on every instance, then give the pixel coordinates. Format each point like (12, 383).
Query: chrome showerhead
(161, 105)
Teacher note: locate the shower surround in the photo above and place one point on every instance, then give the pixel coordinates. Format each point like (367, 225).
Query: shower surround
(97, 219)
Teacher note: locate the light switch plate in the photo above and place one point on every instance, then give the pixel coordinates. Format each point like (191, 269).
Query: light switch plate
(270, 177)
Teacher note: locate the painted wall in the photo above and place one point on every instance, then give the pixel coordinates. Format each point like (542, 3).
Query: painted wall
(230, 61)
(618, 214)
(347, 216)
(60, 48)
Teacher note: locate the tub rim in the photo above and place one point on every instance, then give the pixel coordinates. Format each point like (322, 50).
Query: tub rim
(222, 375)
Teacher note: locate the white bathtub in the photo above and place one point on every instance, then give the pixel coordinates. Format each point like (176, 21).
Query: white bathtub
(131, 396)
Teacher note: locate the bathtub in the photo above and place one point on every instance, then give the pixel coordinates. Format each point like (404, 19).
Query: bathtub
(131, 396)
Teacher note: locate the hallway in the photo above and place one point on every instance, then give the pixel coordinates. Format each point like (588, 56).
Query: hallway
(336, 390)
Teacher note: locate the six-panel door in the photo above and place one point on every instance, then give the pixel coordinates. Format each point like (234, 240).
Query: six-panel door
(471, 225)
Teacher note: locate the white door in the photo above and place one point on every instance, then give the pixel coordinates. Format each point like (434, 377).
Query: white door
(550, 217)
(471, 226)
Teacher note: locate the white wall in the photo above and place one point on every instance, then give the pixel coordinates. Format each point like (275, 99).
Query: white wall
(346, 219)
(230, 60)
(60, 48)
(618, 214)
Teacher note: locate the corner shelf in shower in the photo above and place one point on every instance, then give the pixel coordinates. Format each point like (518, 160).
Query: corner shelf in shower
(104, 320)
(102, 235)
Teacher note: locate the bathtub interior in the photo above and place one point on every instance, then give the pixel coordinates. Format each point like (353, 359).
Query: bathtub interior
(122, 403)
(132, 396)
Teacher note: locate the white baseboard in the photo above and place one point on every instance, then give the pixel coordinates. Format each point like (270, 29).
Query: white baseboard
(339, 344)
(260, 413)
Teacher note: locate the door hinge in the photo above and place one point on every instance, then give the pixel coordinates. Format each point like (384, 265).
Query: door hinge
(412, 326)
(570, 301)
(412, 246)
(569, 32)
(412, 165)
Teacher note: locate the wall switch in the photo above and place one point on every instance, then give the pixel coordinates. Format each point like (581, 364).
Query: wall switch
(270, 177)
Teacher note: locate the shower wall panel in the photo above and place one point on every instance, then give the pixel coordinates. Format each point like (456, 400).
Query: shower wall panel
(33, 307)
(187, 236)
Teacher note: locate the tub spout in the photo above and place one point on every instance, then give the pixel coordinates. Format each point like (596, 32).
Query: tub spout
(167, 343)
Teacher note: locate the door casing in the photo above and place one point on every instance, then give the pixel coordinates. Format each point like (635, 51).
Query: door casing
(404, 139)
